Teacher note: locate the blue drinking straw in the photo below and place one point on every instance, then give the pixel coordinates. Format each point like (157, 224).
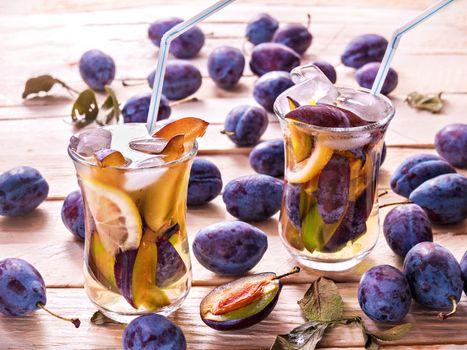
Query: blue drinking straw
(164, 52)
(396, 37)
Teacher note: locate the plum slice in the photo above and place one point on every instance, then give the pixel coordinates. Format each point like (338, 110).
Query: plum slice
(101, 263)
(333, 189)
(170, 265)
(243, 302)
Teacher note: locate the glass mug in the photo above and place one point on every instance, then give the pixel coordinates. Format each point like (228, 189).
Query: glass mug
(136, 255)
(329, 216)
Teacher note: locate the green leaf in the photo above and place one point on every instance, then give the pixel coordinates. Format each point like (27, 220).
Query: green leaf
(85, 108)
(432, 103)
(393, 333)
(99, 318)
(304, 337)
(42, 83)
(322, 301)
(110, 108)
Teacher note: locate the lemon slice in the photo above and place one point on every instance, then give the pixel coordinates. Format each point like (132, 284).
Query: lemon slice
(309, 168)
(117, 219)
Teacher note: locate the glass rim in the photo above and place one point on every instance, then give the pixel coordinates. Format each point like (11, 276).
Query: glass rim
(76, 157)
(350, 130)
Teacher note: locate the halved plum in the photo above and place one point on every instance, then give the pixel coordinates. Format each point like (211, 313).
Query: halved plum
(243, 302)
(190, 128)
(101, 263)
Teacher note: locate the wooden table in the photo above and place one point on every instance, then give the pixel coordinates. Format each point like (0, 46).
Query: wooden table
(48, 36)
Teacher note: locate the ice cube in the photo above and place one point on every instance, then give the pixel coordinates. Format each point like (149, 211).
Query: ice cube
(90, 141)
(365, 105)
(312, 86)
(151, 146)
(150, 162)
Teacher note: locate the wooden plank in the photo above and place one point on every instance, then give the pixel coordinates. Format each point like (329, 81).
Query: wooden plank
(42, 239)
(40, 331)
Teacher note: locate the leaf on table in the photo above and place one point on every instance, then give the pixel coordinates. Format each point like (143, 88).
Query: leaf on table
(432, 102)
(394, 333)
(322, 301)
(85, 108)
(304, 337)
(42, 83)
(98, 318)
(109, 109)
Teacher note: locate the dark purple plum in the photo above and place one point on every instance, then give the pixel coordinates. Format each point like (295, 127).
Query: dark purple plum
(463, 265)
(205, 182)
(328, 70)
(451, 144)
(321, 115)
(269, 86)
(418, 174)
(222, 310)
(366, 75)
(21, 288)
(434, 275)
(136, 109)
(225, 66)
(261, 29)
(123, 270)
(333, 189)
(170, 265)
(294, 35)
(364, 49)
(268, 57)
(268, 158)
(292, 204)
(187, 45)
(150, 332)
(253, 197)
(405, 226)
(73, 214)
(22, 189)
(384, 294)
(245, 124)
(97, 69)
(182, 79)
(230, 248)
(443, 198)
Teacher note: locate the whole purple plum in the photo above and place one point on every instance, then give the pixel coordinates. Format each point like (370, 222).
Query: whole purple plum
(463, 265)
(246, 124)
(451, 144)
(268, 158)
(328, 70)
(268, 57)
(205, 182)
(269, 86)
(73, 214)
(294, 35)
(261, 29)
(366, 75)
(363, 49)
(136, 108)
(225, 66)
(97, 69)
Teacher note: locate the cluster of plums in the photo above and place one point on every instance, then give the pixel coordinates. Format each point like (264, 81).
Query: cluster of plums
(431, 276)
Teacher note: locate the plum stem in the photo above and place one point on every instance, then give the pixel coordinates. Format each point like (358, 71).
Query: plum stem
(133, 82)
(76, 322)
(185, 100)
(442, 315)
(308, 20)
(228, 133)
(383, 194)
(295, 270)
(394, 203)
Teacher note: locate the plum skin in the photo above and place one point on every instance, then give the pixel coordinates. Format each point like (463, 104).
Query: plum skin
(444, 198)
(253, 197)
(451, 144)
(268, 57)
(405, 226)
(269, 86)
(73, 214)
(21, 288)
(97, 69)
(433, 274)
(384, 294)
(22, 189)
(247, 123)
(261, 29)
(136, 108)
(294, 35)
(181, 80)
(205, 182)
(268, 158)
(364, 49)
(463, 265)
(328, 70)
(149, 332)
(366, 76)
(225, 66)
(230, 248)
